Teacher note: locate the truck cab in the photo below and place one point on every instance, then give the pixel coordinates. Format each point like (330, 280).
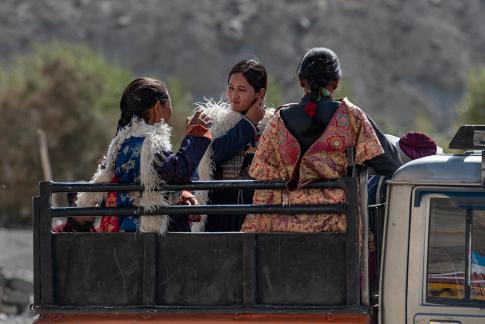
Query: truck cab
(432, 267)
(431, 263)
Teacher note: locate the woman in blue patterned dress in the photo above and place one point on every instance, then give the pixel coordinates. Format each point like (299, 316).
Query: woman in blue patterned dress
(141, 153)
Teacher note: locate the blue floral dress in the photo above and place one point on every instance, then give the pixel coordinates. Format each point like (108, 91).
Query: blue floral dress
(175, 168)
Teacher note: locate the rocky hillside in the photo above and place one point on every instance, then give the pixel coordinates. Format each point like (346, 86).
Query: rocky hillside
(401, 59)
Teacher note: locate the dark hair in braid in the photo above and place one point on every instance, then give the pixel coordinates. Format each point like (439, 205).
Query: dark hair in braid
(253, 71)
(139, 96)
(319, 67)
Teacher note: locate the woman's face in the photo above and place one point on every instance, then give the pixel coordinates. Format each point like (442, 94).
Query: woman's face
(240, 93)
(166, 110)
(160, 111)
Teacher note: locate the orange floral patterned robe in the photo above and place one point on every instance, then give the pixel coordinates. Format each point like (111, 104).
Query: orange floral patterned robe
(277, 157)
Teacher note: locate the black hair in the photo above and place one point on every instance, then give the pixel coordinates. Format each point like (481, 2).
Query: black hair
(139, 96)
(254, 72)
(319, 67)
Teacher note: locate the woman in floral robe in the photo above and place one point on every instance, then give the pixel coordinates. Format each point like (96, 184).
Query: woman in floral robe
(307, 142)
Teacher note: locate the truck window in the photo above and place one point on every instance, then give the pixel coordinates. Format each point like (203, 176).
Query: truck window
(456, 253)
(446, 250)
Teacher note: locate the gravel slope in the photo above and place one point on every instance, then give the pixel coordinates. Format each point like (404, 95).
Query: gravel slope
(399, 56)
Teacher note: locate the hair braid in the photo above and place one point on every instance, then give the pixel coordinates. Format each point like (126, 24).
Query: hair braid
(319, 67)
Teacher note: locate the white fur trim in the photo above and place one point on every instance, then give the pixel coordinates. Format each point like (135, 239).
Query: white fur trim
(268, 114)
(223, 119)
(157, 138)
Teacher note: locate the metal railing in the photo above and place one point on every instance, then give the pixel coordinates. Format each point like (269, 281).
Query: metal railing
(56, 187)
(43, 212)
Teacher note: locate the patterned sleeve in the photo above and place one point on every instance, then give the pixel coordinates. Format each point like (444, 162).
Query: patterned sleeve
(234, 141)
(367, 143)
(265, 160)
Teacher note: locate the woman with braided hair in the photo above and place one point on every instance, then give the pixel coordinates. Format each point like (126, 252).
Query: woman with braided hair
(141, 153)
(307, 142)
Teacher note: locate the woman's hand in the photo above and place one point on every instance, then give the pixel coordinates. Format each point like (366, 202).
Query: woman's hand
(199, 118)
(188, 199)
(256, 111)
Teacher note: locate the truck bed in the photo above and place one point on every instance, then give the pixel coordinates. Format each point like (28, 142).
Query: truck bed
(196, 277)
(200, 270)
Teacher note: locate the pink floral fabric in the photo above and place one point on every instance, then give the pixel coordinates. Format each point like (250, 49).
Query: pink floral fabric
(277, 158)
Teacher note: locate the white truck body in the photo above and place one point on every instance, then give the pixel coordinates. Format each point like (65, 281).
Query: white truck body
(434, 211)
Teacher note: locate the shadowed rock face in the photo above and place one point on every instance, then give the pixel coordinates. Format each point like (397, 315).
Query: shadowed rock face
(15, 295)
(16, 275)
(400, 57)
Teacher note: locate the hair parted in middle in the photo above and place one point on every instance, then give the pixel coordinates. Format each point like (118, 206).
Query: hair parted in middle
(254, 72)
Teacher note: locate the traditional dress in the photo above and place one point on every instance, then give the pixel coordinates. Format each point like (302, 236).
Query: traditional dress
(228, 158)
(278, 158)
(72, 226)
(141, 153)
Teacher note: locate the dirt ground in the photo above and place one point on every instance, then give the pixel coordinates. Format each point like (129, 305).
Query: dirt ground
(16, 260)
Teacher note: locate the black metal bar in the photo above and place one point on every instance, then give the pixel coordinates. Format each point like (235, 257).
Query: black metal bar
(196, 185)
(350, 161)
(201, 209)
(363, 222)
(36, 234)
(45, 242)
(352, 244)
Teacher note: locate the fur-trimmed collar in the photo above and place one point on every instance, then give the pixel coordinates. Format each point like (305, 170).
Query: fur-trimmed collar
(223, 119)
(157, 139)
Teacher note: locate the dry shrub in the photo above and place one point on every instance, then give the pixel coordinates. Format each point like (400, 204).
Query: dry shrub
(71, 94)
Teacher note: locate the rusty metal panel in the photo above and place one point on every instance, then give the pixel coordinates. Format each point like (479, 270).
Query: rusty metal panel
(346, 317)
(101, 269)
(201, 270)
(301, 269)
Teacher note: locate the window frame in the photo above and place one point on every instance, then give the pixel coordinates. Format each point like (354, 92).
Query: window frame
(427, 195)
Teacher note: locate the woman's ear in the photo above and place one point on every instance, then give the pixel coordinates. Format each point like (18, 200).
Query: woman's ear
(304, 85)
(261, 93)
(303, 82)
(148, 115)
(158, 106)
(334, 85)
(152, 114)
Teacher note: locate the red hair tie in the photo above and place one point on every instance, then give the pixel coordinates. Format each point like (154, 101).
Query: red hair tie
(311, 109)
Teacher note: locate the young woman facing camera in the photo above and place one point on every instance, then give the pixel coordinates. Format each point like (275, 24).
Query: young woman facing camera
(236, 127)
